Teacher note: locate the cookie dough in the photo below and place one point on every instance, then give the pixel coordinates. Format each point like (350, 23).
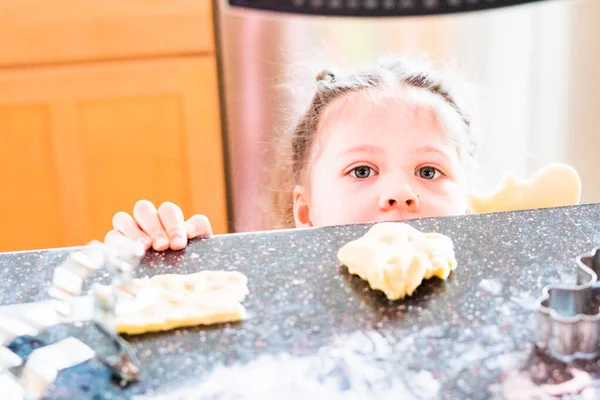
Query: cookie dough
(170, 301)
(395, 258)
(555, 185)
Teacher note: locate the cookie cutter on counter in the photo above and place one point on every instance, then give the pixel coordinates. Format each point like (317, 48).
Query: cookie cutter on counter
(31, 379)
(568, 316)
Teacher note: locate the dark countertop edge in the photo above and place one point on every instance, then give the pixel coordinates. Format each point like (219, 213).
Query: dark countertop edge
(275, 231)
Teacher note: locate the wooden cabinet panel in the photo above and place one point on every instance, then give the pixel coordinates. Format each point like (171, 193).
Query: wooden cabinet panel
(34, 32)
(147, 160)
(29, 197)
(104, 136)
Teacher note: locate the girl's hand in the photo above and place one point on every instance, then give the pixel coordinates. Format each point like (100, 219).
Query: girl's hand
(161, 229)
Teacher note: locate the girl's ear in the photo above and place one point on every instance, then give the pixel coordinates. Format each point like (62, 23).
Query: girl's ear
(301, 208)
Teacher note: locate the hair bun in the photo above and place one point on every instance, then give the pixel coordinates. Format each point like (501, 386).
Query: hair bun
(326, 76)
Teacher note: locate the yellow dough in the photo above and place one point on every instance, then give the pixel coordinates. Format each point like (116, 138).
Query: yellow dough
(395, 258)
(170, 301)
(555, 185)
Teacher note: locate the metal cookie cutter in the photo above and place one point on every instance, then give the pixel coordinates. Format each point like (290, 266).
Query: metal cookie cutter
(30, 380)
(568, 318)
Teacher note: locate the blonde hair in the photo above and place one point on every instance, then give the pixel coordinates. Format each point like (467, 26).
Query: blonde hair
(292, 155)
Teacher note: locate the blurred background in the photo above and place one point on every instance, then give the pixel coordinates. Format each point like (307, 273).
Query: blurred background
(532, 72)
(105, 103)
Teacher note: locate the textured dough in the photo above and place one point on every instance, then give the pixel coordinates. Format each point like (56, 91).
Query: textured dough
(555, 185)
(170, 301)
(395, 258)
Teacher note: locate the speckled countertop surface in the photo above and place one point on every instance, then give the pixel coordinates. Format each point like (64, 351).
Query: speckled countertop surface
(316, 332)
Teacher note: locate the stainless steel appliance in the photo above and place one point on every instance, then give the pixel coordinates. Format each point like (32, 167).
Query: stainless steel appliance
(535, 66)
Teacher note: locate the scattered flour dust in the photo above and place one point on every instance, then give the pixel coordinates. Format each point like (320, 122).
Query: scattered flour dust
(354, 367)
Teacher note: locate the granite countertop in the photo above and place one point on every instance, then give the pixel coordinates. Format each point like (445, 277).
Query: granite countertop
(314, 331)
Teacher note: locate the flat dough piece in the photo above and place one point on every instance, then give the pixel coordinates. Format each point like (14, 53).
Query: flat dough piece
(170, 301)
(395, 258)
(555, 185)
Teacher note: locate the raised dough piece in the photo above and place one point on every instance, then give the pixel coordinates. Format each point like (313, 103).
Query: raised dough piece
(395, 258)
(170, 301)
(555, 185)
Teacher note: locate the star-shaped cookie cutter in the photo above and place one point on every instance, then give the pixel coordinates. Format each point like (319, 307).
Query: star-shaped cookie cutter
(30, 379)
(568, 316)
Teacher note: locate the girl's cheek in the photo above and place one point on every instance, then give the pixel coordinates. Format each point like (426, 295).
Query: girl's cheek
(445, 185)
(439, 186)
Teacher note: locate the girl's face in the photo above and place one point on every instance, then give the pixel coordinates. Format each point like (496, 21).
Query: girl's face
(384, 161)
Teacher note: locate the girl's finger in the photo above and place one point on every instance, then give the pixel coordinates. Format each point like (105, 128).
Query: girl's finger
(198, 225)
(171, 218)
(146, 216)
(125, 224)
(115, 237)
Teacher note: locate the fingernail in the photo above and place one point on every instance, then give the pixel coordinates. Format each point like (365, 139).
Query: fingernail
(161, 242)
(178, 241)
(145, 241)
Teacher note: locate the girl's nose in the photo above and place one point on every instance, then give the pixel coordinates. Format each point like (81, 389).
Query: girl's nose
(403, 198)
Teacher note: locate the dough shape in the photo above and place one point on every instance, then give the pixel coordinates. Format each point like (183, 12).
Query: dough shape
(170, 301)
(555, 185)
(395, 258)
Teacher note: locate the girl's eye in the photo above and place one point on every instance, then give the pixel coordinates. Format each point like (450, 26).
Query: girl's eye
(429, 173)
(362, 172)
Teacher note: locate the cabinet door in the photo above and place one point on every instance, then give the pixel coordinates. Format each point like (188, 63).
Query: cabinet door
(80, 143)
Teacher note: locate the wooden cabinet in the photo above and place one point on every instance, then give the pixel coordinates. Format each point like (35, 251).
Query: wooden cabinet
(83, 140)
(35, 32)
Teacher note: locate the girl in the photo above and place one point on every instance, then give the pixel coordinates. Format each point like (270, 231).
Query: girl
(387, 143)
